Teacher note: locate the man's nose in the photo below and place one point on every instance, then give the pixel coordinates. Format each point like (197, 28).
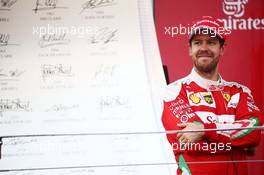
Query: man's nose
(204, 45)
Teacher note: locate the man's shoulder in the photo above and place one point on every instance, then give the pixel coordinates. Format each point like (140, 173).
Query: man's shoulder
(179, 82)
(239, 86)
(173, 89)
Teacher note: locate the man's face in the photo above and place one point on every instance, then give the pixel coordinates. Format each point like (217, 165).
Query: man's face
(205, 52)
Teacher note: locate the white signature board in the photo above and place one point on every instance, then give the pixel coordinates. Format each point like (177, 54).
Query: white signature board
(80, 88)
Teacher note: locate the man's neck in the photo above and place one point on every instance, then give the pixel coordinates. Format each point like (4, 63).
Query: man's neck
(214, 76)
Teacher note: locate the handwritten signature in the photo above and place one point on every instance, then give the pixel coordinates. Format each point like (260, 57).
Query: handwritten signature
(60, 107)
(112, 102)
(104, 36)
(11, 73)
(91, 4)
(20, 141)
(104, 72)
(53, 39)
(47, 5)
(6, 4)
(14, 105)
(4, 40)
(49, 70)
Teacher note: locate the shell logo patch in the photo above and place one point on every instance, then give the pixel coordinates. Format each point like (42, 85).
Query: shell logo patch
(194, 98)
(201, 99)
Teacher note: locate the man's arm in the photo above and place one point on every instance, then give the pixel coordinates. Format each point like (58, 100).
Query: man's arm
(247, 116)
(176, 110)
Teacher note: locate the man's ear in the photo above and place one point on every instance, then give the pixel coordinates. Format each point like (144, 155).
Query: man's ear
(222, 49)
(190, 50)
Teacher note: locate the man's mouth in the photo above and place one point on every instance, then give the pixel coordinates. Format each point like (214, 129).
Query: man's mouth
(204, 56)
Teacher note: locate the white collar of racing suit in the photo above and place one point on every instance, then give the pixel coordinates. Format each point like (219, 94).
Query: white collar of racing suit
(205, 83)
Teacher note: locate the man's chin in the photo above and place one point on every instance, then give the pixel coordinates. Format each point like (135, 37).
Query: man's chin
(205, 69)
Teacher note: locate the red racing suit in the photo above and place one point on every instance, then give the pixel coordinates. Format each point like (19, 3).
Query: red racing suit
(217, 105)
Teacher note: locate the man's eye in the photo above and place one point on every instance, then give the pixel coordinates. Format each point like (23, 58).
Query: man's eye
(196, 42)
(211, 42)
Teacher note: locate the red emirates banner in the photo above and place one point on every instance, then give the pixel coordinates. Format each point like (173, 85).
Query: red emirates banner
(243, 58)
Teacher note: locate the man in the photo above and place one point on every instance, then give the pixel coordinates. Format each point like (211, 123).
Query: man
(203, 101)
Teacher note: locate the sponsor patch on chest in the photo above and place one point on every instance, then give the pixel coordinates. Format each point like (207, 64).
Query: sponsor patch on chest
(201, 99)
